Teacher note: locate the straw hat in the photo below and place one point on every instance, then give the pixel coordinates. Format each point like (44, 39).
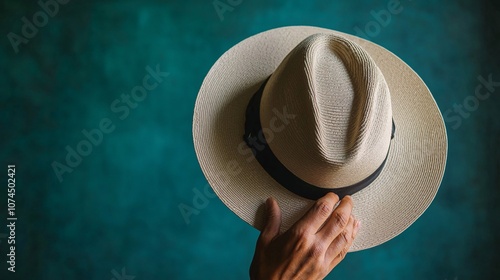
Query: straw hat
(296, 112)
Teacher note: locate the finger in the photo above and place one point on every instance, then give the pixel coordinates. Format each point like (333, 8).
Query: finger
(357, 224)
(340, 246)
(318, 214)
(341, 256)
(273, 221)
(337, 221)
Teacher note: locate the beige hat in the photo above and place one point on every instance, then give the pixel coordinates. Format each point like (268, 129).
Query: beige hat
(296, 112)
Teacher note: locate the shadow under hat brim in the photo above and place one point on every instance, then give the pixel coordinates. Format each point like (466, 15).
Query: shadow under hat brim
(402, 192)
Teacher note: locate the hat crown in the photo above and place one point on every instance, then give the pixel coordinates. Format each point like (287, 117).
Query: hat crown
(329, 110)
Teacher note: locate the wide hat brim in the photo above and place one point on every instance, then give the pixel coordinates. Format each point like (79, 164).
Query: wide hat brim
(407, 184)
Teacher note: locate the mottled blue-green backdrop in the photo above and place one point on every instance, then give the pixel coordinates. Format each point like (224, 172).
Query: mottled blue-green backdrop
(115, 212)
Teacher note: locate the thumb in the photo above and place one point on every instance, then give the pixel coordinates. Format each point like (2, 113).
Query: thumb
(273, 221)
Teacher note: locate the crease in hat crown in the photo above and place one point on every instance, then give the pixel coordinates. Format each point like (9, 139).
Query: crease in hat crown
(342, 129)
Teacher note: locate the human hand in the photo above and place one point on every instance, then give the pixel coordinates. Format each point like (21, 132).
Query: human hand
(311, 248)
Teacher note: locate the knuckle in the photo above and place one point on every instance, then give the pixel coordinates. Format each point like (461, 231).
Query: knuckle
(346, 237)
(343, 253)
(299, 234)
(300, 247)
(323, 208)
(271, 216)
(341, 218)
(317, 251)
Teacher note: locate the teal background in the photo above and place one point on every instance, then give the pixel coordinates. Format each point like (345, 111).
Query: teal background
(119, 207)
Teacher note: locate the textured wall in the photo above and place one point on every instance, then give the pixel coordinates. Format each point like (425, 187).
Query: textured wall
(118, 207)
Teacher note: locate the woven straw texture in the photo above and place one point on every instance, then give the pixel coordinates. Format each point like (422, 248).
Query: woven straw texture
(417, 155)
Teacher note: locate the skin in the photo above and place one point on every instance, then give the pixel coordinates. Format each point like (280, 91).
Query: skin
(311, 248)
